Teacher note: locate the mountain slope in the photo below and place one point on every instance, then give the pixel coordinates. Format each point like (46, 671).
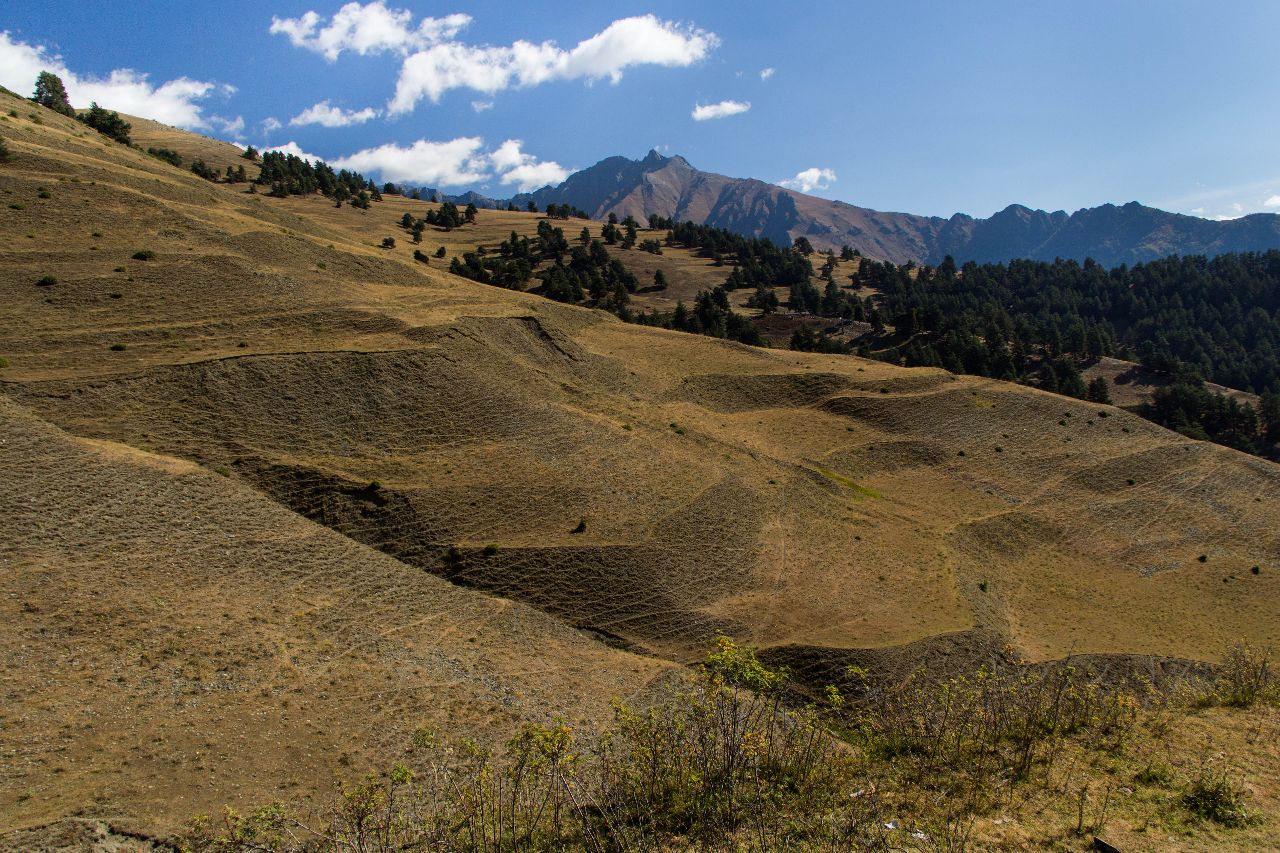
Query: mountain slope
(642, 486)
(1111, 235)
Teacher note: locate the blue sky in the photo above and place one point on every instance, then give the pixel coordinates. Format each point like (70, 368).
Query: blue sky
(930, 108)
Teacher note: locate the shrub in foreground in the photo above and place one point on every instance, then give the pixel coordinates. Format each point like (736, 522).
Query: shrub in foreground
(732, 758)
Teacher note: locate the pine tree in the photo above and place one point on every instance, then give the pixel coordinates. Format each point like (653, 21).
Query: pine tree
(51, 93)
(1099, 390)
(107, 122)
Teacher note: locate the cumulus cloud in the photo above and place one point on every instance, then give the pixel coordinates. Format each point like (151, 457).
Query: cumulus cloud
(513, 166)
(1274, 201)
(328, 115)
(481, 106)
(436, 63)
(174, 102)
(704, 112)
(229, 126)
(271, 123)
(810, 180)
(446, 164)
(293, 148)
(367, 29)
(766, 73)
(450, 163)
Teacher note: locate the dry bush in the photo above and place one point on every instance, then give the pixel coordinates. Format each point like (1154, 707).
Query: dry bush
(980, 734)
(729, 760)
(722, 760)
(1246, 678)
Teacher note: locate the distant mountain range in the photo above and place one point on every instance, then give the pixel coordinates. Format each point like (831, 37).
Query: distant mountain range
(671, 187)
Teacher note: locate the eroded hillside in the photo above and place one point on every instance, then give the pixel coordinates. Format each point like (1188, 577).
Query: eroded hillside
(502, 469)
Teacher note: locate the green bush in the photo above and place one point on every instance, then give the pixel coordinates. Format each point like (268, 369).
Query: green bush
(1157, 774)
(4, 362)
(46, 281)
(199, 167)
(5, 154)
(144, 255)
(1213, 796)
(119, 347)
(167, 155)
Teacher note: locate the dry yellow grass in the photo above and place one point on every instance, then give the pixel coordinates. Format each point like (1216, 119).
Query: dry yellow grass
(789, 499)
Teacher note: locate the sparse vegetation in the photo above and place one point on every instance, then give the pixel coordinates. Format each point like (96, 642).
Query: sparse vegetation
(726, 760)
(46, 281)
(144, 255)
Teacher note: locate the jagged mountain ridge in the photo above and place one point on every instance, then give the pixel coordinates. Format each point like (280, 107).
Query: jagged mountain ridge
(1110, 234)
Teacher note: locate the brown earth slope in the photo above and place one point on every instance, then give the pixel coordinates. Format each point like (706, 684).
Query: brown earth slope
(648, 486)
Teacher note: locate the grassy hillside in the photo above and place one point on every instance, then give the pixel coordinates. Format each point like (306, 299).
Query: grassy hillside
(195, 429)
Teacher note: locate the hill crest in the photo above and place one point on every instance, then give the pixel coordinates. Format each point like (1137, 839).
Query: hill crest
(1110, 234)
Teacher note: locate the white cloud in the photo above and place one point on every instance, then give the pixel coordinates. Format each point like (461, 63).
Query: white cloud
(703, 112)
(810, 180)
(230, 126)
(450, 163)
(532, 176)
(367, 29)
(293, 148)
(270, 124)
(642, 40)
(328, 115)
(1274, 201)
(515, 167)
(446, 164)
(481, 106)
(766, 73)
(124, 90)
